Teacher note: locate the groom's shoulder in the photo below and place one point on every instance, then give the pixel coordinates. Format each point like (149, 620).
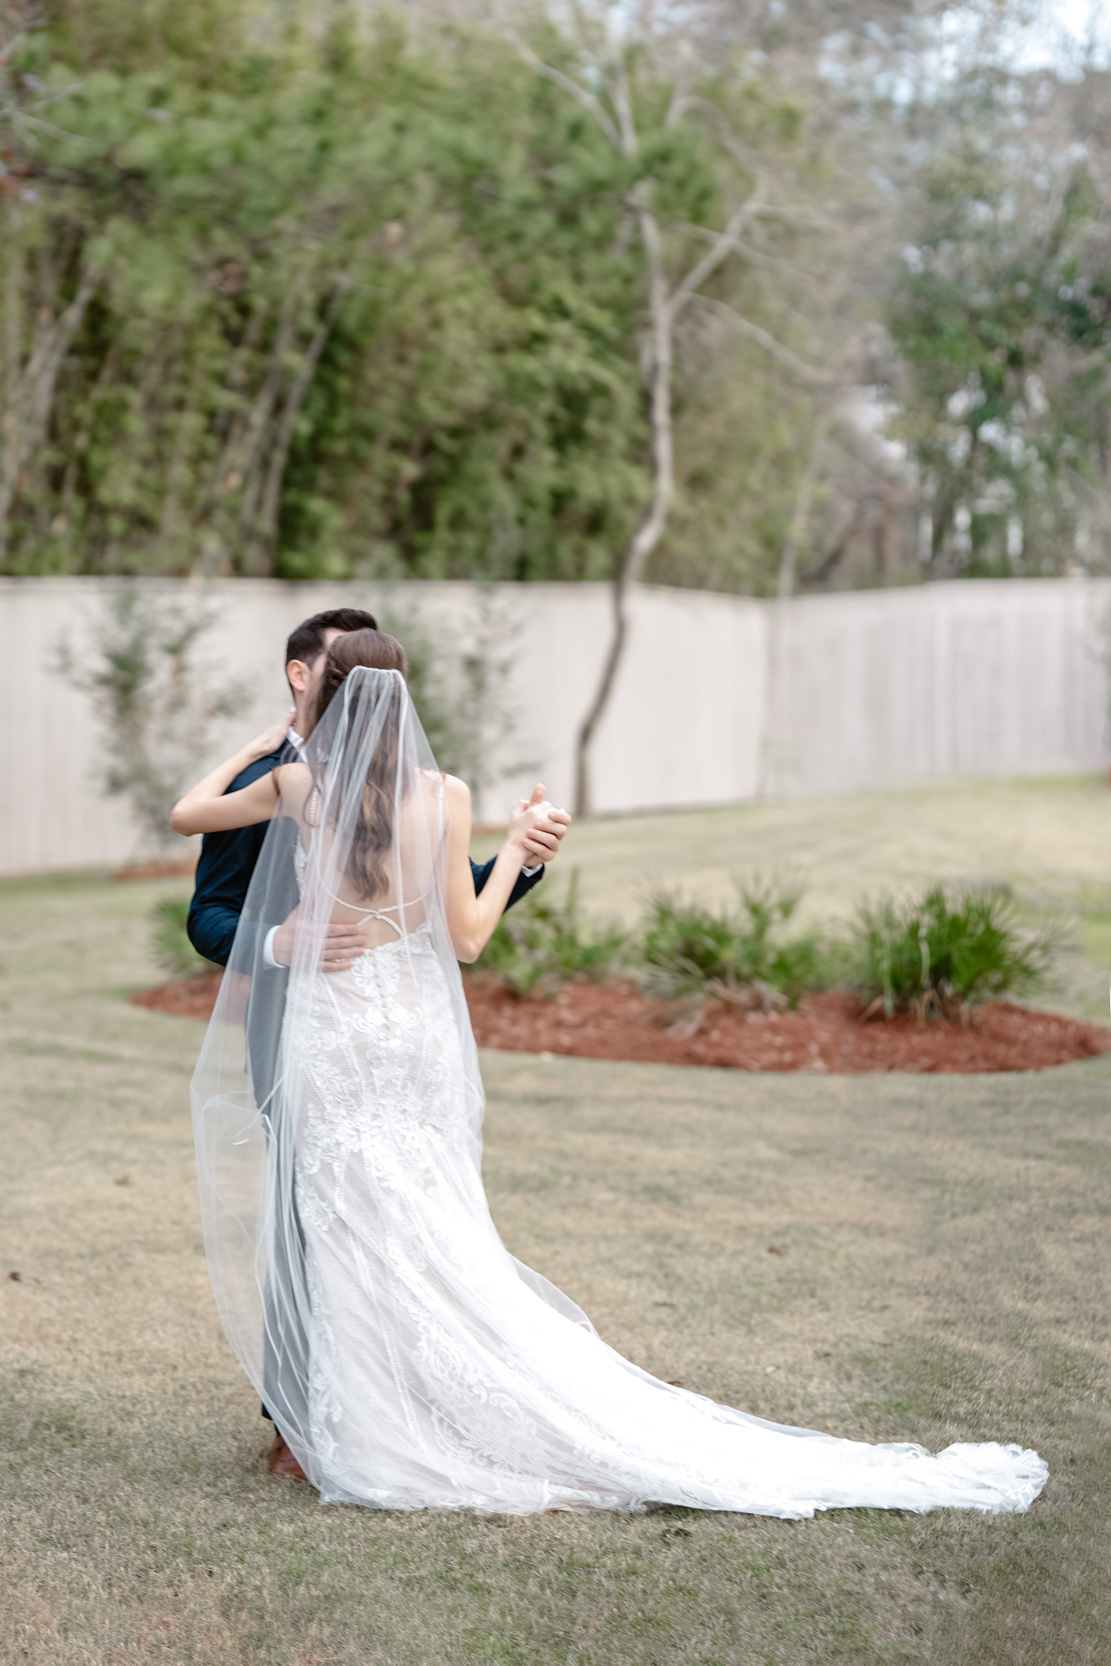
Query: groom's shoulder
(260, 767)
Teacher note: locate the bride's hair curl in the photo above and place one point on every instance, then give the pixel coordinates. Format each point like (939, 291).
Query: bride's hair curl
(372, 835)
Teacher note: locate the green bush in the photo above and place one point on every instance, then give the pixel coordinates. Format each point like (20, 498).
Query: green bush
(547, 939)
(937, 953)
(689, 949)
(172, 948)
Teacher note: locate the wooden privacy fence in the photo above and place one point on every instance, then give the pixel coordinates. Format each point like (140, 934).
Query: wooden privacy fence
(720, 699)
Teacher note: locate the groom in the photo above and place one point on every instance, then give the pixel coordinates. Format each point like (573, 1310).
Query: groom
(227, 861)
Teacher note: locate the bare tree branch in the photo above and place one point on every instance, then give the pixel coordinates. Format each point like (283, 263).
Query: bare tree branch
(796, 217)
(724, 246)
(754, 332)
(580, 94)
(747, 251)
(624, 107)
(741, 153)
(679, 102)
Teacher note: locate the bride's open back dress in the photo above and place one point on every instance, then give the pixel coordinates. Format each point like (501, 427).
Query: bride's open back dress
(407, 1358)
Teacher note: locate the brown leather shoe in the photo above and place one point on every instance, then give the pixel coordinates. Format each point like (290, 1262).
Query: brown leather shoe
(282, 1462)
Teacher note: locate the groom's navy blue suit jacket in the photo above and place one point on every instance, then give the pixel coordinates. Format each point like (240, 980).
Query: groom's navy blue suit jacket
(228, 860)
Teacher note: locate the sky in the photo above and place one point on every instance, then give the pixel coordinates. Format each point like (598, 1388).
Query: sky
(1064, 28)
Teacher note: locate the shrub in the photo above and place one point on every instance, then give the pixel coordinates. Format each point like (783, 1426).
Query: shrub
(158, 699)
(172, 948)
(937, 953)
(692, 950)
(547, 939)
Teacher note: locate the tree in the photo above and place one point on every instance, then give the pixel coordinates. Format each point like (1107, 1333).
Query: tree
(156, 697)
(678, 150)
(315, 308)
(1003, 322)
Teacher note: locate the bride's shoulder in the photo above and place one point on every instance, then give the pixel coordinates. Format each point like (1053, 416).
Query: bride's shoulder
(456, 800)
(294, 782)
(437, 783)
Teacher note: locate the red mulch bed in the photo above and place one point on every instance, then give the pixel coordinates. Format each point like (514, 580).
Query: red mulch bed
(185, 997)
(158, 870)
(825, 1034)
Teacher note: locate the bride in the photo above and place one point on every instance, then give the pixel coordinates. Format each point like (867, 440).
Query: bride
(407, 1358)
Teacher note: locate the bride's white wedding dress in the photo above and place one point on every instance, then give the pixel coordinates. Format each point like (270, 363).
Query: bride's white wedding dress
(424, 1366)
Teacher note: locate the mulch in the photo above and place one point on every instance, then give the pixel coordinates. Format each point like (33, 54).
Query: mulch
(825, 1034)
(157, 870)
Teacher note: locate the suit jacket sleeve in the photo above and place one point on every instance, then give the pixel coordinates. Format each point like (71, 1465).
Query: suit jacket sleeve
(223, 876)
(521, 887)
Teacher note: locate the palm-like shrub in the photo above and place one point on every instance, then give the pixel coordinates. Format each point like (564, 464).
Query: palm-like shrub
(937, 953)
(547, 939)
(689, 949)
(172, 948)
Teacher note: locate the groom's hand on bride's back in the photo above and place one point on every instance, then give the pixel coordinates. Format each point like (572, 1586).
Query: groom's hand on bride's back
(542, 839)
(343, 944)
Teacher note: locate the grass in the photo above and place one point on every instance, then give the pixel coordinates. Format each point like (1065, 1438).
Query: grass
(1048, 841)
(887, 1257)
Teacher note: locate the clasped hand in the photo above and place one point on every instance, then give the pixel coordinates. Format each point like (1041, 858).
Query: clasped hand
(537, 826)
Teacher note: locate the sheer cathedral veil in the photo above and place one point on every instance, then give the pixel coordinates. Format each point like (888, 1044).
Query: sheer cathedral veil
(359, 833)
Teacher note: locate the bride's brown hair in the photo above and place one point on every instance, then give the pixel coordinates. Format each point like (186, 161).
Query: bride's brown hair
(372, 835)
(374, 649)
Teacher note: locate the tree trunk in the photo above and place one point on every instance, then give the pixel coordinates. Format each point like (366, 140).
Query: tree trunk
(13, 311)
(261, 554)
(31, 398)
(654, 521)
(186, 427)
(800, 517)
(245, 464)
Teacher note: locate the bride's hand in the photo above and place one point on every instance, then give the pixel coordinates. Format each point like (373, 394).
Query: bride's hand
(542, 843)
(271, 738)
(536, 827)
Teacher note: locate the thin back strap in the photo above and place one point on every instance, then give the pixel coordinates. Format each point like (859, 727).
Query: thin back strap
(371, 913)
(377, 914)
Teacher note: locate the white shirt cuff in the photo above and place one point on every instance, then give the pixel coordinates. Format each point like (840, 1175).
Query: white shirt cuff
(528, 872)
(268, 947)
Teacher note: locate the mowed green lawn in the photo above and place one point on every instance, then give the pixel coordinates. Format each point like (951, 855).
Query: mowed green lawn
(884, 1257)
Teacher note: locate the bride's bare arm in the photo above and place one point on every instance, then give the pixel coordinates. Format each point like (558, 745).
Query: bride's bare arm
(471, 919)
(210, 808)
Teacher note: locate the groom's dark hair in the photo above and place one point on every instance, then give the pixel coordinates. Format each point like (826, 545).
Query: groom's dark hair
(306, 643)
